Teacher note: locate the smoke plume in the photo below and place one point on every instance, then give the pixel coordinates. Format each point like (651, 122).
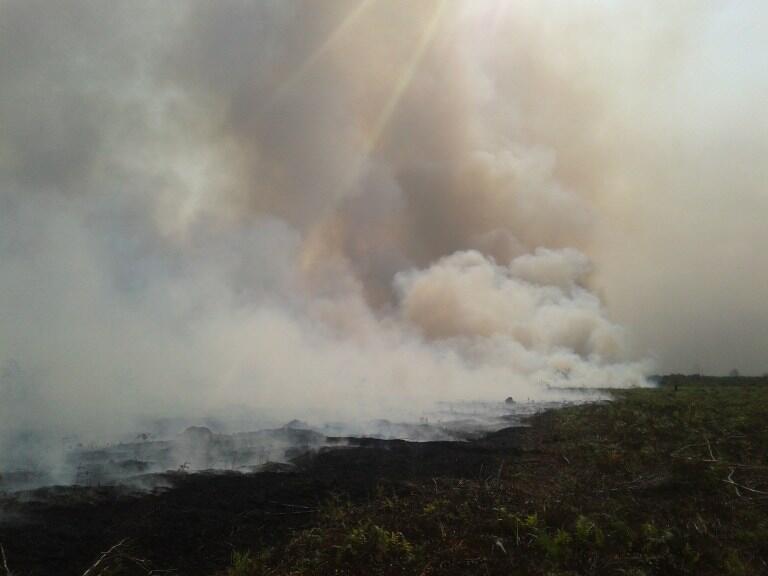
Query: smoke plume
(346, 209)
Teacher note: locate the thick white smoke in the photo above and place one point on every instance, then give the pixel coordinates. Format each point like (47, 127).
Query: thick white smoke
(325, 210)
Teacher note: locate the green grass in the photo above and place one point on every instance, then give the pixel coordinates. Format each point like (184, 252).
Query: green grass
(660, 481)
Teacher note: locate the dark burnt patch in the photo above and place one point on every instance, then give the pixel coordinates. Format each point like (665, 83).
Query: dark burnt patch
(192, 522)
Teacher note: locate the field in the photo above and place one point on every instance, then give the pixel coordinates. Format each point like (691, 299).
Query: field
(671, 480)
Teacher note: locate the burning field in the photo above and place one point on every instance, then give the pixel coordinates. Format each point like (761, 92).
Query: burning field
(198, 448)
(670, 480)
(302, 287)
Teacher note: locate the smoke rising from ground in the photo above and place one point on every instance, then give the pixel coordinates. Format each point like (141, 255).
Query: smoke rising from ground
(348, 210)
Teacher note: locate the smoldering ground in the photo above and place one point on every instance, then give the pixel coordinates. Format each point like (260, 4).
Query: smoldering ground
(334, 211)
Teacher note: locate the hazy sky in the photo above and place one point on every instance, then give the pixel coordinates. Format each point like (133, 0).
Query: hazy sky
(344, 207)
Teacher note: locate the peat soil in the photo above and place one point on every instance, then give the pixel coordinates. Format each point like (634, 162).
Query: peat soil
(193, 522)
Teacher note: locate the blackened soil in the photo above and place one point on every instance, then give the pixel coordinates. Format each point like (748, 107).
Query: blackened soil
(195, 521)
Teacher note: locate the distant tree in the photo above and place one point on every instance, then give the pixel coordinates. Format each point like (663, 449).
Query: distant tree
(734, 373)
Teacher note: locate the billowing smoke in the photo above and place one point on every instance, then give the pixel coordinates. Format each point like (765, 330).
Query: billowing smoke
(331, 210)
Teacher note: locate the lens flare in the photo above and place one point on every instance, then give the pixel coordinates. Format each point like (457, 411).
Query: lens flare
(406, 77)
(323, 49)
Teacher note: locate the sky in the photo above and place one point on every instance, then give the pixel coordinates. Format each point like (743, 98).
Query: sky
(354, 208)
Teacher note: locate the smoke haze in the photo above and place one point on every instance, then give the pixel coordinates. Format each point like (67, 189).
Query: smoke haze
(344, 210)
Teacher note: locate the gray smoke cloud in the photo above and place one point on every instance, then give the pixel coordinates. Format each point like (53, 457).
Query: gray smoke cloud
(352, 209)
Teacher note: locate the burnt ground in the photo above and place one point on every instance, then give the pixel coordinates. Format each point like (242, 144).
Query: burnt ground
(195, 521)
(664, 481)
